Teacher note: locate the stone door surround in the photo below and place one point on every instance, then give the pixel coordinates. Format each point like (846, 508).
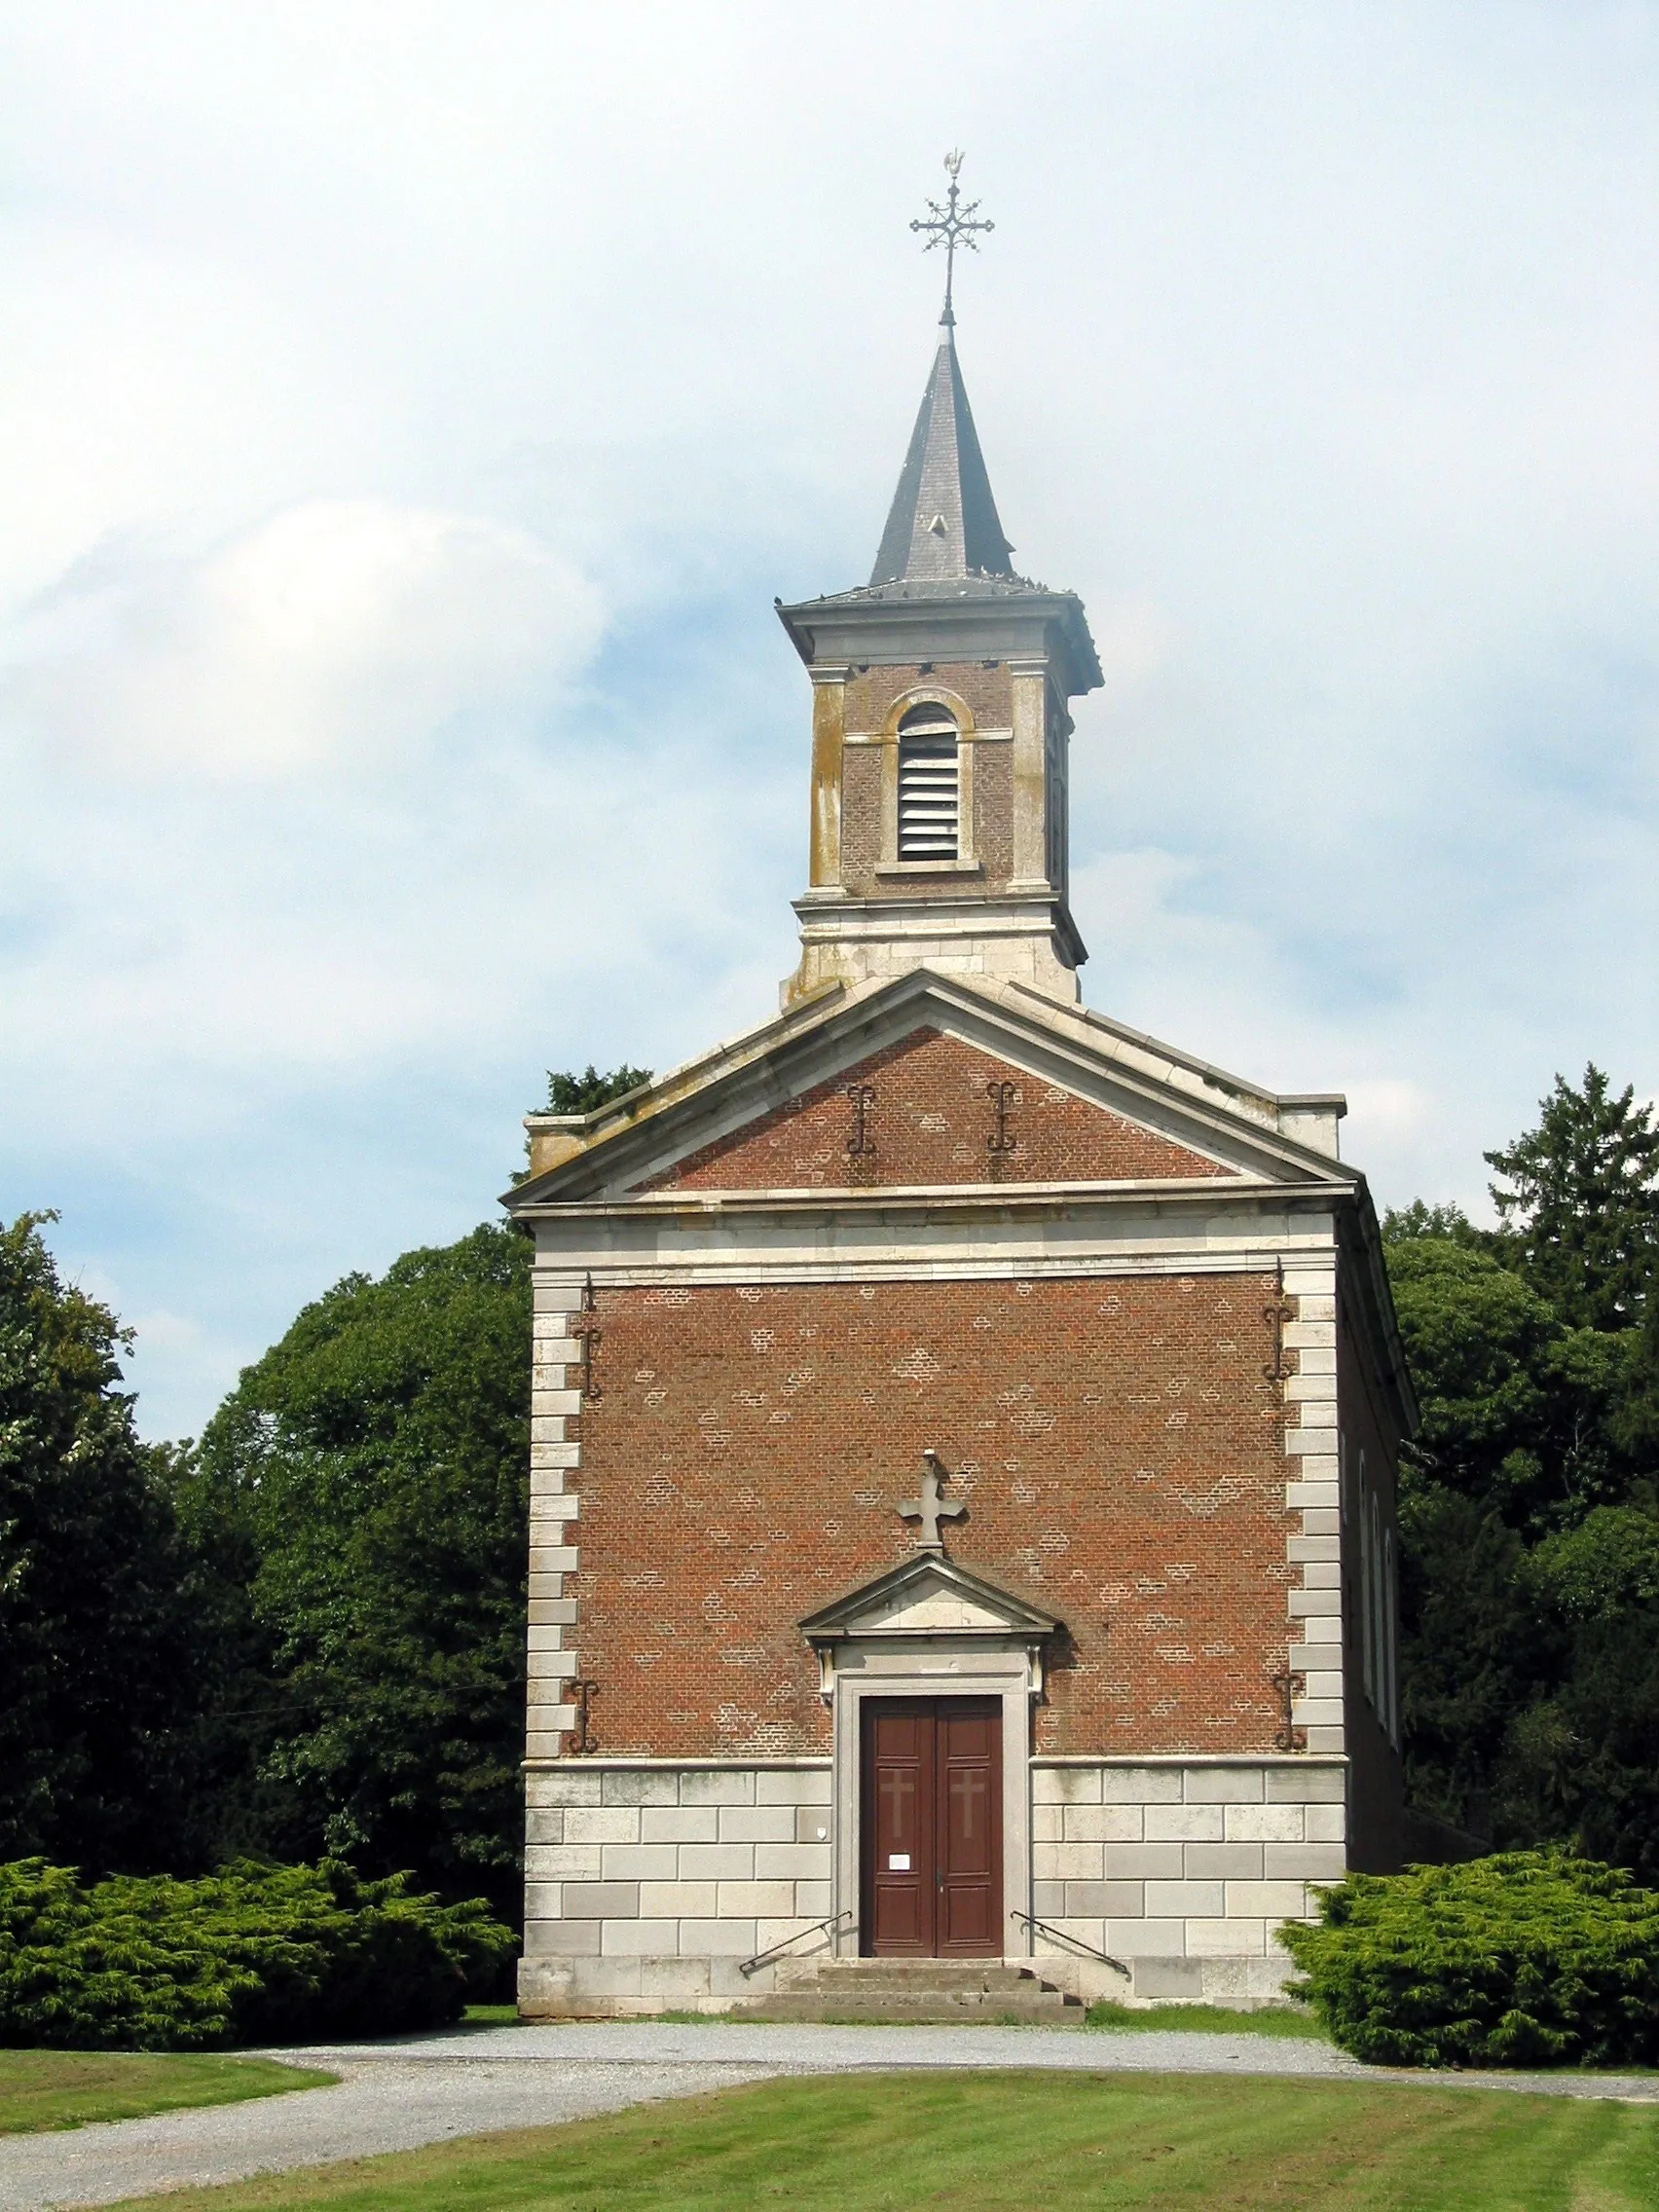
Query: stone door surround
(930, 1848)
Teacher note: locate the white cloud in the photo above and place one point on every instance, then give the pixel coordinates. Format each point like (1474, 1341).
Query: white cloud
(1388, 1105)
(334, 634)
(411, 415)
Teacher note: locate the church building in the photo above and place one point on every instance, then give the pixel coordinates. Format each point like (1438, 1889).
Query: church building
(963, 1427)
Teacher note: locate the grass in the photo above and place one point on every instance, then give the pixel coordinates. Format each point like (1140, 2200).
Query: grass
(1212, 2019)
(491, 2016)
(1005, 2142)
(65, 2088)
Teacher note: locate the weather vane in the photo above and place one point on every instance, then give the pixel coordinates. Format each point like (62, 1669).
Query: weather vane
(951, 226)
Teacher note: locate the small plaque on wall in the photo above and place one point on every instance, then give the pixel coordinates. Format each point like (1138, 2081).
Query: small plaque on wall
(897, 1861)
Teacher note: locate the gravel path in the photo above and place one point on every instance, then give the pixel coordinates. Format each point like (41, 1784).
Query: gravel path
(391, 2102)
(398, 2096)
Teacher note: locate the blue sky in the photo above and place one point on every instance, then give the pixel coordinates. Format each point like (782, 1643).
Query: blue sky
(409, 413)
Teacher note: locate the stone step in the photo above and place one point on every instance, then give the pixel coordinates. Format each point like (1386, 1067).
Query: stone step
(1044, 2011)
(930, 1991)
(909, 2011)
(939, 1972)
(893, 1985)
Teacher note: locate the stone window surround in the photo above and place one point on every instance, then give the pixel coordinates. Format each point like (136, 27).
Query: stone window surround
(968, 735)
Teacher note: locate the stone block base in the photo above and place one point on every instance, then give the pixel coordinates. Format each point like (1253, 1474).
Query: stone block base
(1184, 1871)
(1240, 1984)
(649, 1885)
(632, 1989)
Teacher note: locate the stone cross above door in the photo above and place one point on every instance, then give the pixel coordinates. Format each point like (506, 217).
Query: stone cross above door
(930, 1509)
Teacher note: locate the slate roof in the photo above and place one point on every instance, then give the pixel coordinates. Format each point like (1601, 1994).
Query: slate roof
(944, 526)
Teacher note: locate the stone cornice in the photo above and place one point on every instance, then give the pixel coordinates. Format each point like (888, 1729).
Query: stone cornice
(967, 1199)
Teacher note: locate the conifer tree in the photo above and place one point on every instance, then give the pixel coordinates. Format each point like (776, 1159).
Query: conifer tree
(1579, 1201)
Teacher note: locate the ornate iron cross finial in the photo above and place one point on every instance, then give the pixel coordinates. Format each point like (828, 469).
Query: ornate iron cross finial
(930, 1509)
(951, 226)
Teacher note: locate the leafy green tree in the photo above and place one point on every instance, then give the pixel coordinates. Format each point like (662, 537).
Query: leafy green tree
(1635, 1424)
(1529, 1539)
(1477, 1342)
(1516, 1409)
(100, 1641)
(1401, 1225)
(1595, 1571)
(372, 1471)
(571, 1093)
(358, 1510)
(1581, 1760)
(1469, 1656)
(1579, 1201)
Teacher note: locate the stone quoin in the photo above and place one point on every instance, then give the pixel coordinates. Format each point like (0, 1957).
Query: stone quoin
(964, 1428)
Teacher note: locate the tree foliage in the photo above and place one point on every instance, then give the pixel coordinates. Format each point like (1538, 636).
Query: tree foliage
(1576, 1198)
(587, 1092)
(96, 1586)
(305, 1635)
(371, 1471)
(1530, 1501)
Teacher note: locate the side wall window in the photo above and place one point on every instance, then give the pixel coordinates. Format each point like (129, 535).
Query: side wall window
(1391, 1653)
(1366, 1623)
(929, 786)
(1371, 1593)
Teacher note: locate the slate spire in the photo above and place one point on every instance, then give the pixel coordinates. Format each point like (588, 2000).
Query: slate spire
(943, 521)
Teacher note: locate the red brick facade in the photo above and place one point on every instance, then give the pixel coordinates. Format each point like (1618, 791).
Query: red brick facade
(930, 1122)
(1115, 1441)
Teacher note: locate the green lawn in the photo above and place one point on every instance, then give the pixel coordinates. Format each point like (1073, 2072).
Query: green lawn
(1211, 2019)
(65, 2088)
(1008, 2142)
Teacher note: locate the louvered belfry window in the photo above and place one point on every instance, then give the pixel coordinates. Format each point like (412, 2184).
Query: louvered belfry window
(929, 786)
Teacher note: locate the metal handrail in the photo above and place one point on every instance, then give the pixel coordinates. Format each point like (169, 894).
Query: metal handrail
(752, 1965)
(1064, 1935)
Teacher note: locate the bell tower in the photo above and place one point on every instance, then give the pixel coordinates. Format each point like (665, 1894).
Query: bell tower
(939, 724)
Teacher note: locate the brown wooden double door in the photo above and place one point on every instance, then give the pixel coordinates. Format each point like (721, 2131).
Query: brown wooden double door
(931, 1875)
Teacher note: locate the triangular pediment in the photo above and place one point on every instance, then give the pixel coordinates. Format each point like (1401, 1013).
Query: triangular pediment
(938, 1109)
(1087, 1103)
(929, 1595)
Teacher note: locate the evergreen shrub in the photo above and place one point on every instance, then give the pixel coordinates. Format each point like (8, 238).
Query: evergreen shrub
(254, 1954)
(1530, 1958)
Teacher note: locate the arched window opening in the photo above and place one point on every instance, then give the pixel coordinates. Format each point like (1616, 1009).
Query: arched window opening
(929, 786)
